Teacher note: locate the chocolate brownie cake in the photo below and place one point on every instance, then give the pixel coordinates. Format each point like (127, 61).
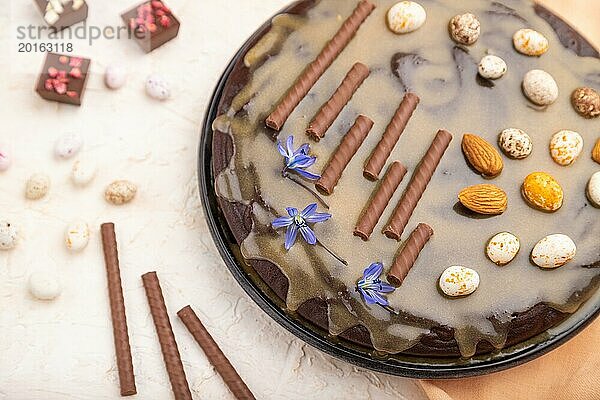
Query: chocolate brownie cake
(432, 201)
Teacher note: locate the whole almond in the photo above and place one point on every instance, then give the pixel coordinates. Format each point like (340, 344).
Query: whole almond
(484, 199)
(482, 155)
(596, 152)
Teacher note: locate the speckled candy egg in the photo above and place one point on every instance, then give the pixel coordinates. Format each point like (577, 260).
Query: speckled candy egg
(565, 147)
(502, 248)
(37, 186)
(593, 189)
(515, 143)
(83, 172)
(120, 192)
(158, 88)
(586, 101)
(9, 236)
(465, 28)
(44, 285)
(459, 281)
(492, 67)
(540, 87)
(77, 236)
(405, 17)
(5, 160)
(530, 42)
(115, 76)
(542, 191)
(68, 145)
(553, 251)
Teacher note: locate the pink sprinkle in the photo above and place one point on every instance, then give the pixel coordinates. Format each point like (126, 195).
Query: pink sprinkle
(72, 93)
(62, 74)
(151, 27)
(157, 4)
(52, 72)
(165, 21)
(63, 59)
(60, 88)
(75, 73)
(49, 84)
(76, 62)
(159, 13)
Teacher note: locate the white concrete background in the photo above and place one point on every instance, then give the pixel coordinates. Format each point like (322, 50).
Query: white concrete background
(64, 349)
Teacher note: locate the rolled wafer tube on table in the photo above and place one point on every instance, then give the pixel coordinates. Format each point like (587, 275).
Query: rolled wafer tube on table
(117, 310)
(391, 136)
(317, 68)
(214, 354)
(418, 183)
(409, 254)
(344, 153)
(168, 345)
(385, 191)
(330, 110)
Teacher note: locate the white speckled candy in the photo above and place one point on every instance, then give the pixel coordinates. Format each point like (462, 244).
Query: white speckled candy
(565, 147)
(68, 145)
(37, 186)
(44, 285)
(158, 88)
(530, 42)
(120, 192)
(83, 172)
(9, 236)
(77, 236)
(553, 251)
(503, 248)
(406, 16)
(5, 160)
(593, 189)
(492, 67)
(540, 87)
(115, 76)
(459, 281)
(515, 143)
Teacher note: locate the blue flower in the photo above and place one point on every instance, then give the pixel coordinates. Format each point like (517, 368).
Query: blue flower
(298, 221)
(297, 160)
(371, 287)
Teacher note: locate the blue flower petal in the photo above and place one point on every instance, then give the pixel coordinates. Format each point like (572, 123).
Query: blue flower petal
(301, 161)
(304, 149)
(366, 294)
(317, 217)
(379, 299)
(307, 175)
(290, 236)
(290, 144)
(292, 211)
(281, 222)
(281, 150)
(308, 235)
(309, 210)
(386, 288)
(373, 271)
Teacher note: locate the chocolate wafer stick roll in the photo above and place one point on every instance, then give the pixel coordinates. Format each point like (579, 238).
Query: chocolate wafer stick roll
(409, 254)
(214, 354)
(384, 193)
(418, 183)
(391, 136)
(168, 345)
(330, 110)
(317, 68)
(117, 310)
(344, 153)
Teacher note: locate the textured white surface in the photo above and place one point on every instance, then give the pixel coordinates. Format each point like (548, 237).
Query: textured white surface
(64, 349)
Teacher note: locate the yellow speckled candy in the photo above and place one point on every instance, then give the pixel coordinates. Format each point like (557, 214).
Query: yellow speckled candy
(543, 192)
(405, 17)
(565, 147)
(530, 42)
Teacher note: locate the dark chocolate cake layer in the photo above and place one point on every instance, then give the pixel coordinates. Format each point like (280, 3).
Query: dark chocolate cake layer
(440, 340)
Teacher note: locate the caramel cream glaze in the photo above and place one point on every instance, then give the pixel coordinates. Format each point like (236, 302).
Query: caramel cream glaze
(428, 63)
